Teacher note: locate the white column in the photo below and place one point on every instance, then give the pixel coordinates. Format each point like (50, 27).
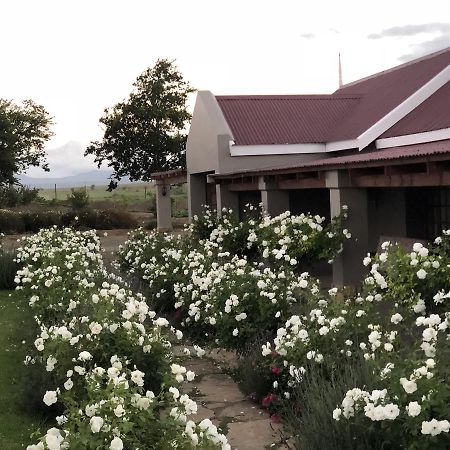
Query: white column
(163, 206)
(348, 269)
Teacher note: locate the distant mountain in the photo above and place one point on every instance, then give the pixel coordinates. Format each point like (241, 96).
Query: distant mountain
(97, 177)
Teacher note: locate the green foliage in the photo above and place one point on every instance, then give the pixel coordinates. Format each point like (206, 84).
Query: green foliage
(146, 133)
(11, 196)
(78, 199)
(24, 130)
(155, 258)
(281, 240)
(400, 270)
(17, 416)
(33, 221)
(8, 269)
(306, 414)
(108, 354)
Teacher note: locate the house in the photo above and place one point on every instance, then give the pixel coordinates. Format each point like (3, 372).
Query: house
(380, 145)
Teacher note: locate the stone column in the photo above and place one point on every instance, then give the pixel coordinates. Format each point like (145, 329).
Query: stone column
(226, 198)
(163, 206)
(196, 194)
(348, 269)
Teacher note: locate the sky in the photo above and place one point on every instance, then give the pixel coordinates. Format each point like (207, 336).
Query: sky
(78, 57)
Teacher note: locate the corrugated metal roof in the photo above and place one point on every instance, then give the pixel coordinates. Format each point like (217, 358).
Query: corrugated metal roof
(432, 114)
(417, 151)
(290, 119)
(351, 110)
(383, 92)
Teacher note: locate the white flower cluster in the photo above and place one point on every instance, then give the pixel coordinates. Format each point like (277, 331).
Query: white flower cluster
(63, 273)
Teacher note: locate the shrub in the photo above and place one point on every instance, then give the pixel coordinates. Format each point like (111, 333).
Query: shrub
(229, 302)
(306, 413)
(78, 199)
(33, 221)
(11, 196)
(283, 239)
(101, 219)
(11, 222)
(109, 355)
(8, 267)
(397, 325)
(152, 224)
(156, 259)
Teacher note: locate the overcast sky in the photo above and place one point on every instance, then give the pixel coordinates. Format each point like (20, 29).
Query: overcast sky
(78, 57)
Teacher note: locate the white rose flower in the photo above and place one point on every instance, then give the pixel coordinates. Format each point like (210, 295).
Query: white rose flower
(116, 444)
(413, 409)
(421, 274)
(96, 423)
(50, 397)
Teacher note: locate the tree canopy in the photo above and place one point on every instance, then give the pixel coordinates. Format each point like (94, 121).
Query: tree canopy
(24, 130)
(147, 132)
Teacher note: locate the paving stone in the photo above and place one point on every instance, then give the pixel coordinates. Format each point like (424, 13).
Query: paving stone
(201, 367)
(223, 357)
(253, 435)
(219, 388)
(241, 411)
(202, 413)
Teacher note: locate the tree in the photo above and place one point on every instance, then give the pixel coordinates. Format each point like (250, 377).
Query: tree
(146, 132)
(24, 130)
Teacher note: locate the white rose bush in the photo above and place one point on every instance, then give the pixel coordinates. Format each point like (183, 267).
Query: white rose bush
(229, 281)
(396, 326)
(371, 366)
(116, 382)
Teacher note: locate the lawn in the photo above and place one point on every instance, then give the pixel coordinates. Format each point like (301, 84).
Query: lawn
(16, 423)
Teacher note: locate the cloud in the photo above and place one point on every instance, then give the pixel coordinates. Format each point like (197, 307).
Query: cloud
(426, 48)
(413, 30)
(65, 161)
(441, 39)
(307, 35)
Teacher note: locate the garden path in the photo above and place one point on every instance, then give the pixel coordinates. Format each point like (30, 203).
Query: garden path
(247, 426)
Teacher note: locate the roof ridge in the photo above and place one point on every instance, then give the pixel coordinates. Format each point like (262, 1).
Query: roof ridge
(290, 97)
(393, 69)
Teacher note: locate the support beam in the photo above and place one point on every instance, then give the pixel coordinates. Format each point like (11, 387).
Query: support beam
(163, 206)
(348, 269)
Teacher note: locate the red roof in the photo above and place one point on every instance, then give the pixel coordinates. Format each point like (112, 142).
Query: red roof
(416, 151)
(351, 110)
(284, 119)
(432, 114)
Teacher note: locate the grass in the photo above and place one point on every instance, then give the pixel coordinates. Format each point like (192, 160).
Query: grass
(131, 192)
(16, 422)
(131, 196)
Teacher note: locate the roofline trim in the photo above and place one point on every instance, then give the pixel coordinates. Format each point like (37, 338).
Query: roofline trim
(291, 149)
(275, 149)
(404, 108)
(411, 139)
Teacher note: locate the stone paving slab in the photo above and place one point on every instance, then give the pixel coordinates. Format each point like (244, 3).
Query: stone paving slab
(247, 425)
(253, 435)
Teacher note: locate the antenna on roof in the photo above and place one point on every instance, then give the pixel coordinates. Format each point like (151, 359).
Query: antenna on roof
(340, 72)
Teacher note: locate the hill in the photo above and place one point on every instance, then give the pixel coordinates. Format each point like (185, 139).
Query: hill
(96, 177)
